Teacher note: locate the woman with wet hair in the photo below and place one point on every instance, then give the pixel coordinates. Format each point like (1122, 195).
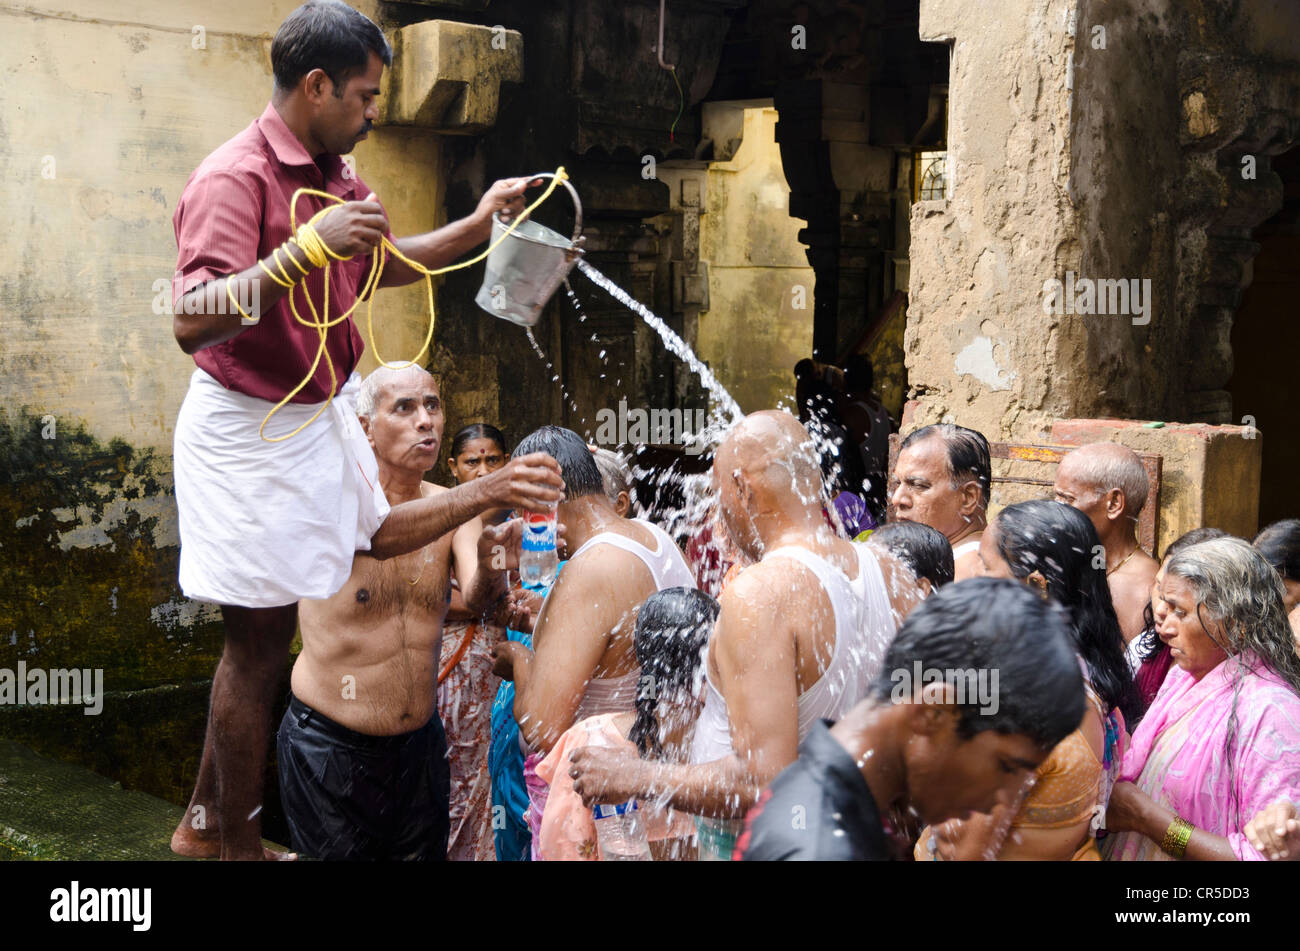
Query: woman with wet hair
(1222, 740)
(1052, 547)
(924, 550)
(671, 633)
(466, 684)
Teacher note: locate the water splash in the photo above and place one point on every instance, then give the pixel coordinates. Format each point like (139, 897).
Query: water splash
(671, 340)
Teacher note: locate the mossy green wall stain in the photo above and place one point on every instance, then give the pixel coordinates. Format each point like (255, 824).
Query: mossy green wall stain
(88, 538)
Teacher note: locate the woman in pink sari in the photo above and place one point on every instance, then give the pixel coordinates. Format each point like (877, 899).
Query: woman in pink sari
(1221, 741)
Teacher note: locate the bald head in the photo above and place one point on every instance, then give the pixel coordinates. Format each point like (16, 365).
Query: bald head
(775, 453)
(373, 386)
(1103, 467)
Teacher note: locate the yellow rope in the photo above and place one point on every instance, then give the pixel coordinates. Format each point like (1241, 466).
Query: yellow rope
(320, 255)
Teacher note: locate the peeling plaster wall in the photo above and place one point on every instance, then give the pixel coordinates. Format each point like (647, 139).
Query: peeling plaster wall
(977, 344)
(1101, 138)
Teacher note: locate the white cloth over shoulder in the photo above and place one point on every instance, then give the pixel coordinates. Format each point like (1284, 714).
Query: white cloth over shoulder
(265, 524)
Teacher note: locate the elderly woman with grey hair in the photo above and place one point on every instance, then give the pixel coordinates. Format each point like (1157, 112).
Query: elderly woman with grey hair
(1222, 739)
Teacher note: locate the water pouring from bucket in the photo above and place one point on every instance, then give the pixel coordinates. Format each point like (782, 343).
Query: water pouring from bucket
(528, 262)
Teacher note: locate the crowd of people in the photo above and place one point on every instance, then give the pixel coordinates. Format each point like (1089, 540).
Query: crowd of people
(1137, 709)
(853, 663)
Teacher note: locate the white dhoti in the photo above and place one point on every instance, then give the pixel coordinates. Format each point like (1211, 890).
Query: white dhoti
(265, 524)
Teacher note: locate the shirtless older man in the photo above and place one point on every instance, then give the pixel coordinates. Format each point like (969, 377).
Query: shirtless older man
(943, 474)
(1108, 483)
(800, 636)
(583, 661)
(362, 753)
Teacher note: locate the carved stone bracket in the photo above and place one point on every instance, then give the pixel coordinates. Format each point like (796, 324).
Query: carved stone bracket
(447, 76)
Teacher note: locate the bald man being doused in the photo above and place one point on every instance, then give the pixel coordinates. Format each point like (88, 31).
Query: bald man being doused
(800, 635)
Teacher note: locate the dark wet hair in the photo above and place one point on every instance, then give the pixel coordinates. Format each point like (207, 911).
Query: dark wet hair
(1151, 644)
(478, 431)
(326, 35)
(1059, 542)
(672, 630)
(923, 549)
(1002, 625)
(577, 466)
(1280, 546)
(967, 450)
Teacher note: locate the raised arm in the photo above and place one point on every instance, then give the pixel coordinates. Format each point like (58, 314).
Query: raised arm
(434, 249)
(569, 639)
(529, 482)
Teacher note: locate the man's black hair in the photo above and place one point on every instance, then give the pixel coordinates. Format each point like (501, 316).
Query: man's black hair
(1280, 545)
(967, 452)
(987, 624)
(326, 35)
(923, 549)
(577, 464)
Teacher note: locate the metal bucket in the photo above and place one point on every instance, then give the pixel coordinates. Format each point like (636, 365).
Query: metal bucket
(525, 269)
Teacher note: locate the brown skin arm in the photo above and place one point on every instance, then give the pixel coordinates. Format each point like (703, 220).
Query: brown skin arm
(480, 588)
(355, 227)
(572, 636)
(434, 249)
(1130, 809)
(529, 482)
(754, 648)
(722, 789)
(756, 663)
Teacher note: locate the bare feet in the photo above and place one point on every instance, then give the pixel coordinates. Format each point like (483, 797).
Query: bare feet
(194, 844)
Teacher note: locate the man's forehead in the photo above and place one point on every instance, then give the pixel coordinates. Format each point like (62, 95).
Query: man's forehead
(408, 386)
(926, 454)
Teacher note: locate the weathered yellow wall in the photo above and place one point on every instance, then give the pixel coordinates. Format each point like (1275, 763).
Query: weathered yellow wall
(125, 108)
(103, 117)
(752, 335)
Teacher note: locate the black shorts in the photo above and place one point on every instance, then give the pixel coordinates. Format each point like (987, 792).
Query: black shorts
(348, 795)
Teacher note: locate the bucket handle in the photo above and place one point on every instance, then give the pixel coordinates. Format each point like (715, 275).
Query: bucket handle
(577, 205)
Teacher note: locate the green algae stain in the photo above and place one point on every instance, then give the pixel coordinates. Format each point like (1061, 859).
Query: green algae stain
(89, 546)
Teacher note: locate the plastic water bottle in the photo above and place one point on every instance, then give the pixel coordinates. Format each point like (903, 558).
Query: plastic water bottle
(620, 835)
(538, 560)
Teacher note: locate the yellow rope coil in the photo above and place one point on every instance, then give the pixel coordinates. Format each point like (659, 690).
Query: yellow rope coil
(320, 255)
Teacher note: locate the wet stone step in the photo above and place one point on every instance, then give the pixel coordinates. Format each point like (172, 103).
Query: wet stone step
(55, 810)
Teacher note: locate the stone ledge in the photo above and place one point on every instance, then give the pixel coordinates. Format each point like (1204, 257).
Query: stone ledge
(447, 76)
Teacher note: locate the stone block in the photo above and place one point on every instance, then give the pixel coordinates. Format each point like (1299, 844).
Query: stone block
(447, 76)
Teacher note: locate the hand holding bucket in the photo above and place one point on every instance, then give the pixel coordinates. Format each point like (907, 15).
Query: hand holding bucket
(528, 266)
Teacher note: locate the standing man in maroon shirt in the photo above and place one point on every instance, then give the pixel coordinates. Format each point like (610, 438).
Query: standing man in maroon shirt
(262, 523)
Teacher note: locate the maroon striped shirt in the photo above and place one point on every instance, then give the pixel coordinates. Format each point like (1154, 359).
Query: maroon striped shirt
(233, 212)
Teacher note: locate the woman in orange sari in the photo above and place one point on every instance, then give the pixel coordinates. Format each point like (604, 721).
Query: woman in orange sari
(1050, 546)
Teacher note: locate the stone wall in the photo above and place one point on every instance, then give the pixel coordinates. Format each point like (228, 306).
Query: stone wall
(1101, 141)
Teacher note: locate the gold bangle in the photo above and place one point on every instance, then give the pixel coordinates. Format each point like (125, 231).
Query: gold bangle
(1177, 836)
